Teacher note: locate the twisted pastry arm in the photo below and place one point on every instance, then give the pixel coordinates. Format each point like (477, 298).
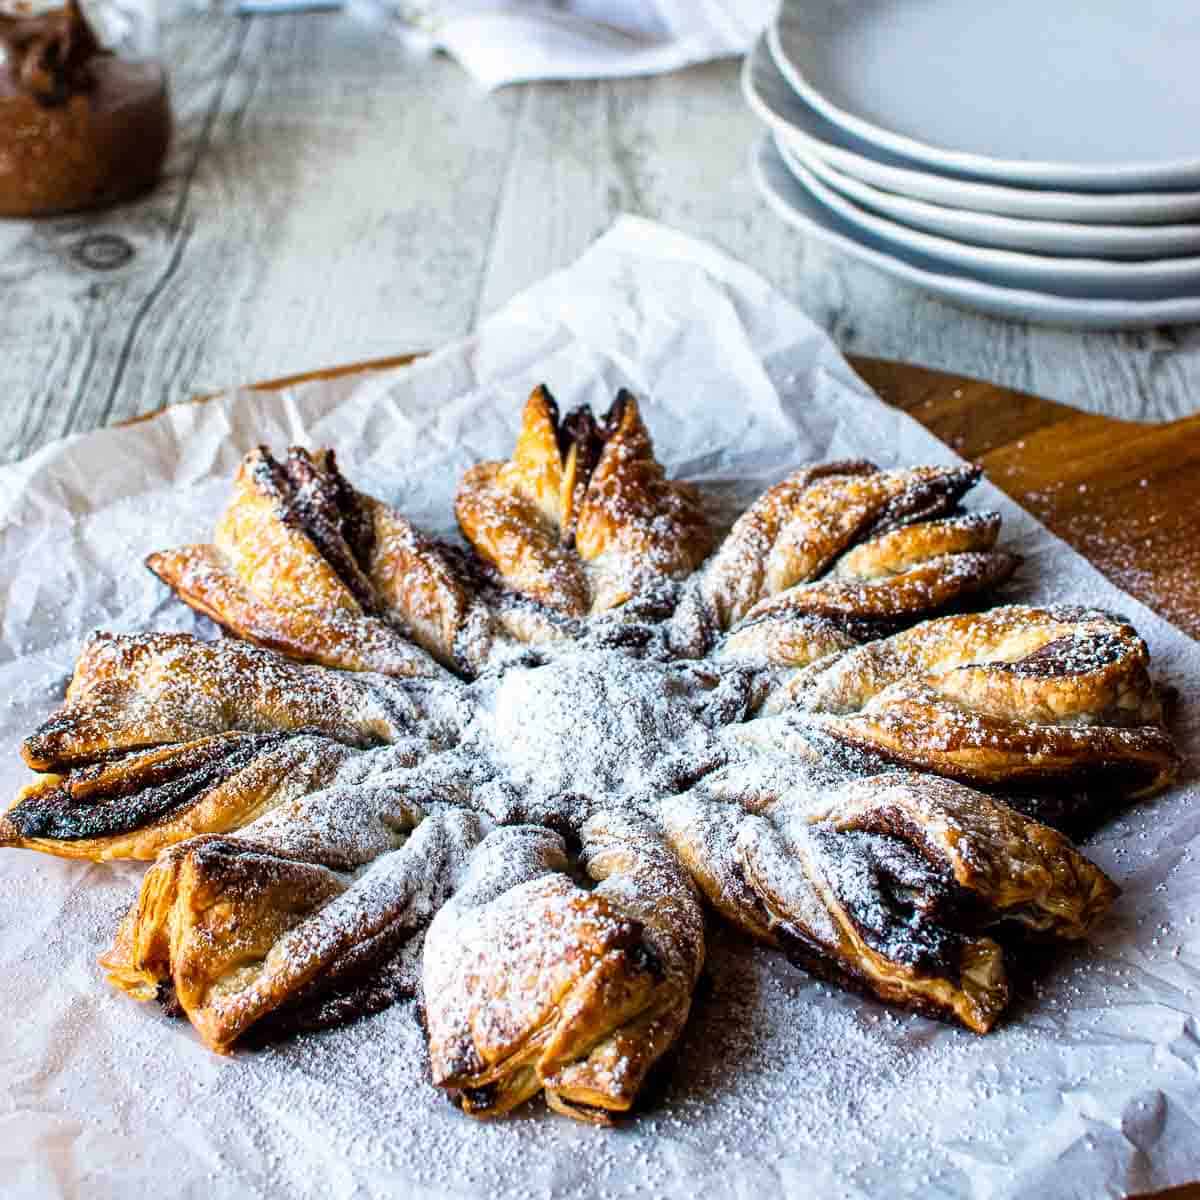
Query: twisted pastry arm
(163, 736)
(582, 517)
(342, 827)
(133, 806)
(135, 690)
(786, 642)
(1013, 697)
(236, 933)
(520, 515)
(302, 563)
(636, 527)
(886, 885)
(839, 552)
(533, 983)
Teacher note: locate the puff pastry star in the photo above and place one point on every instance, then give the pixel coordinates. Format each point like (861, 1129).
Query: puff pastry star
(515, 779)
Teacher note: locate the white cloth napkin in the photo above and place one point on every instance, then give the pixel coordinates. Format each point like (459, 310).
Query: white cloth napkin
(511, 41)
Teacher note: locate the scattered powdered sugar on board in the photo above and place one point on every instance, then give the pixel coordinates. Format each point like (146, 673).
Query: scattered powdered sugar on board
(781, 1085)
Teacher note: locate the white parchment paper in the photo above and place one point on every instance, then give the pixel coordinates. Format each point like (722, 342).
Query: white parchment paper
(783, 1086)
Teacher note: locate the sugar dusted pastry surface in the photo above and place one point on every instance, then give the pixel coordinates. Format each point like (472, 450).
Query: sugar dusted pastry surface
(556, 736)
(734, 731)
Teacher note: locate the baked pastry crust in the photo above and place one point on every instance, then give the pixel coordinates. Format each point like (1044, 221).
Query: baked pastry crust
(335, 824)
(886, 884)
(864, 549)
(1014, 697)
(302, 563)
(237, 931)
(135, 805)
(582, 517)
(163, 736)
(533, 983)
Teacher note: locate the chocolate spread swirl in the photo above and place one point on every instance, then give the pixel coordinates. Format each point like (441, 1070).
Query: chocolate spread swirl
(316, 499)
(903, 905)
(48, 56)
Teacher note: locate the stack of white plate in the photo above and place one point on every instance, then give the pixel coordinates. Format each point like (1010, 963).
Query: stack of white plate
(1034, 159)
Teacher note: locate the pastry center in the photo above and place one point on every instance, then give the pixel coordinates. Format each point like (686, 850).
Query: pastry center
(597, 723)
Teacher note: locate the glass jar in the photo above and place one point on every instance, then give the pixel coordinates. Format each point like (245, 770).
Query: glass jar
(85, 120)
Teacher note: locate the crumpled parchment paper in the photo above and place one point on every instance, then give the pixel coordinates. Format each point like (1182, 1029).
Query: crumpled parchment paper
(782, 1086)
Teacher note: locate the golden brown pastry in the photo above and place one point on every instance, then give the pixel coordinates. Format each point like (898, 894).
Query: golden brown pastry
(887, 885)
(163, 736)
(234, 931)
(302, 563)
(862, 549)
(134, 805)
(311, 824)
(344, 826)
(1014, 697)
(786, 643)
(533, 983)
(582, 516)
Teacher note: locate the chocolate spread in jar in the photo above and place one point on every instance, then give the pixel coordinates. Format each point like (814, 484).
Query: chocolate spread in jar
(79, 127)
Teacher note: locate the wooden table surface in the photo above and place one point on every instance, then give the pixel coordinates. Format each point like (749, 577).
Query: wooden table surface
(330, 199)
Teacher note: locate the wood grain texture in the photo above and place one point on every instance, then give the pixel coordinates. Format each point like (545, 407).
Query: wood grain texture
(331, 198)
(319, 202)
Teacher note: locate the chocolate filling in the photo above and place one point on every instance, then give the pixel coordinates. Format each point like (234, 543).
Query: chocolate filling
(580, 429)
(479, 1098)
(319, 502)
(1066, 656)
(923, 500)
(331, 507)
(1065, 790)
(167, 999)
(370, 977)
(1077, 811)
(902, 905)
(70, 812)
(644, 960)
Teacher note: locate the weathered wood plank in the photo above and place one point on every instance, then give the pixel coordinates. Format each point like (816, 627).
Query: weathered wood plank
(330, 198)
(342, 210)
(65, 325)
(327, 198)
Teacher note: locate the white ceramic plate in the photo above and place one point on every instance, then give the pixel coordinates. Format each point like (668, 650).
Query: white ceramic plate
(1146, 279)
(1099, 94)
(807, 131)
(1009, 233)
(789, 199)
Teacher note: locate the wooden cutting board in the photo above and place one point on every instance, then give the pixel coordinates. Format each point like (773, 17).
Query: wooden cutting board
(1126, 495)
